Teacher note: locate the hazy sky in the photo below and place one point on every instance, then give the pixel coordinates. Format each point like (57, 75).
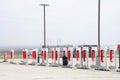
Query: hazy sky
(68, 22)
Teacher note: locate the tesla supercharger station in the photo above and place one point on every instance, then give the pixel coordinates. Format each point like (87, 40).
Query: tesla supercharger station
(112, 58)
(55, 56)
(44, 57)
(34, 55)
(12, 57)
(78, 57)
(103, 60)
(85, 57)
(93, 57)
(24, 57)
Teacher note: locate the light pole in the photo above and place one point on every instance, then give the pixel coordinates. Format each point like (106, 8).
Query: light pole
(98, 56)
(44, 5)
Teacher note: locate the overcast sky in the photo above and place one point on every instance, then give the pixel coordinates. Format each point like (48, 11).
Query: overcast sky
(68, 22)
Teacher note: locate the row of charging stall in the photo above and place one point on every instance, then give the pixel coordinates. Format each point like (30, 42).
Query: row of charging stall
(108, 57)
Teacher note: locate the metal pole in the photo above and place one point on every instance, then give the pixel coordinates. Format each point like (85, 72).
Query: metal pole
(99, 28)
(98, 56)
(44, 28)
(44, 19)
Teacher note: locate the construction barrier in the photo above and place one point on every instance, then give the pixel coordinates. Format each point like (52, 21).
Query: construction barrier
(12, 57)
(55, 55)
(24, 57)
(44, 56)
(34, 54)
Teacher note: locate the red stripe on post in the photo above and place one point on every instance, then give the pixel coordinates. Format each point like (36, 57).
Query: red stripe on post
(101, 56)
(44, 55)
(77, 55)
(56, 55)
(24, 55)
(118, 47)
(52, 55)
(69, 55)
(34, 55)
(111, 55)
(93, 55)
(11, 55)
(84, 55)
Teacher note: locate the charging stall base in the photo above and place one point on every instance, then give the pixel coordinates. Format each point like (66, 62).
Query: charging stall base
(12, 57)
(24, 56)
(102, 68)
(84, 59)
(55, 58)
(69, 52)
(112, 59)
(34, 54)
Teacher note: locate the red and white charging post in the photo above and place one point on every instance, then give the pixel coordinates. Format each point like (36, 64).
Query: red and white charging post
(93, 57)
(34, 54)
(112, 58)
(85, 56)
(12, 57)
(24, 57)
(103, 60)
(78, 57)
(44, 57)
(70, 57)
(55, 56)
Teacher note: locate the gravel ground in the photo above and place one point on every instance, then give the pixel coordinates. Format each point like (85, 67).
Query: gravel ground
(26, 72)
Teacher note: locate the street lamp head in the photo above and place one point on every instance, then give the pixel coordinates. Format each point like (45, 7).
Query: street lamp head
(44, 4)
